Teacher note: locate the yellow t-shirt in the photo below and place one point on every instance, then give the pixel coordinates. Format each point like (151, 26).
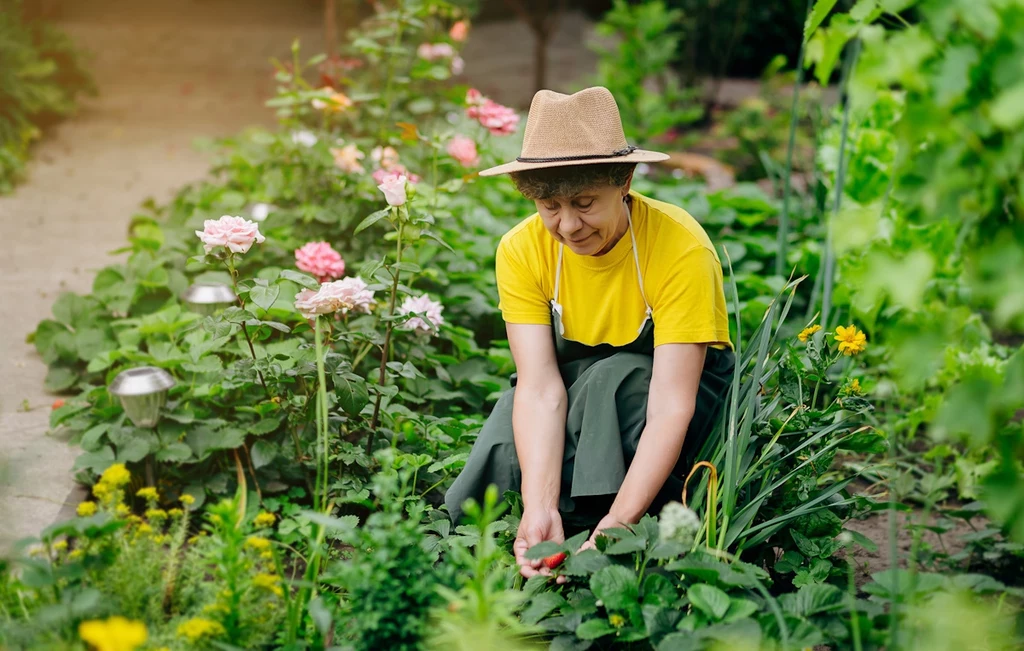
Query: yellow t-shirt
(601, 297)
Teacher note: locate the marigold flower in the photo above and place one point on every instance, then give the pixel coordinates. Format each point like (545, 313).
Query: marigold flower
(199, 627)
(85, 509)
(851, 340)
(269, 582)
(113, 634)
(806, 333)
(265, 519)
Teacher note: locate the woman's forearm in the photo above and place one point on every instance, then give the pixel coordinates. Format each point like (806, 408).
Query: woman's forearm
(656, 455)
(538, 425)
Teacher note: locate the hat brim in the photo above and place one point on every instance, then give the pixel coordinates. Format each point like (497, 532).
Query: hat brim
(636, 156)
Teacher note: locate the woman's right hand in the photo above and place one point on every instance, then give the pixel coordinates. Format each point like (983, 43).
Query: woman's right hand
(537, 525)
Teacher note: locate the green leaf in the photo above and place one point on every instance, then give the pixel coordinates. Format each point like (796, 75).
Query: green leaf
(264, 426)
(176, 452)
(593, 629)
(812, 599)
(585, 563)
(713, 601)
(867, 442)
(740, 608)
(203, 440)
(543, 550)
(627, 545)
(91, 342)
(615, 585)
(352, 392)
(263, 452)
(59, 378)
(658, 590)
(789, 562)
(300, 279)
(1007, 110)
(372, 219)
(264, 296)
(541, 606)
(818, 13)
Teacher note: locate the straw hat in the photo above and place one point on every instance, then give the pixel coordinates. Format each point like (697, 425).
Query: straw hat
(578, 129)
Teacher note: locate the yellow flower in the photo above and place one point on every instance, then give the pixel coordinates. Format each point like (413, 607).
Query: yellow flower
(114, 634)
(85, 509)
(267, 555)
(193, 540)
(257, 542)
(188, 500)
(851, 340)
(76, 554)
(199, 627)
(148, 493)
(806, 333)
(156, 514)
(116, 475)
(122, 510)
(145, 528)
(175, 513)
(268, 582)
(852, 389)
(265, 519)
(616, 620)
(60, 545)
(102, 491)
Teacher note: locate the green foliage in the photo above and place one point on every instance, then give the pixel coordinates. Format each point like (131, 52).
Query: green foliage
(41, 76)
(637, 69)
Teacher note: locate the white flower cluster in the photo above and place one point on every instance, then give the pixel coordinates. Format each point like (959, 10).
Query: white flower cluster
(678, 523)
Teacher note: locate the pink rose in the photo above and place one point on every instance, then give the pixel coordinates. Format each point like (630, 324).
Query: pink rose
(459, 31)
(319, 259)
(422, 305)
(394, 172)
(393, 188)
(235, 233)
(435, 51)
(385, 157)
(463, 149)
(499, 120)
(458, 65)
(347, 159)
(338, 296)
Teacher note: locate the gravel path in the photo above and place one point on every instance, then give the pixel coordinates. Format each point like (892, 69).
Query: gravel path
(168, 71)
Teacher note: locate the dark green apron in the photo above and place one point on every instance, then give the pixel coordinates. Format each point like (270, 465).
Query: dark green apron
(607, 390)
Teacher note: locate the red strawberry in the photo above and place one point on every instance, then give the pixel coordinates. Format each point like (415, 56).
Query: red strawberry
(58, 403)
(553, 561)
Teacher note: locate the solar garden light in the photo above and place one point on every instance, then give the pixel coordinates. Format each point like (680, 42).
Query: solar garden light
(208, 298)
(143, 391)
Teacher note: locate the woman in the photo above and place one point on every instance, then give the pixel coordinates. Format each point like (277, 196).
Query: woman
(617, 324)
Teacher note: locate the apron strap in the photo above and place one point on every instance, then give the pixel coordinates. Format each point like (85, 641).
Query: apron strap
(636, 259)
(558, 270)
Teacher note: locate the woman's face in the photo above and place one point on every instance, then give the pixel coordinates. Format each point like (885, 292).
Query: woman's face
(589, 223)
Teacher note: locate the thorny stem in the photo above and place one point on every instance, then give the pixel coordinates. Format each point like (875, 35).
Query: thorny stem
(386, 349)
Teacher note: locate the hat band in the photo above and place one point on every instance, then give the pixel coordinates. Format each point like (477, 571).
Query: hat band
(625, 151)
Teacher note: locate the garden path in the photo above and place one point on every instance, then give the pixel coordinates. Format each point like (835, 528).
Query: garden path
(168, 71)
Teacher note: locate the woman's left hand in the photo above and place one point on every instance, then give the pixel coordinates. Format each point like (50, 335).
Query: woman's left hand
(607, 522)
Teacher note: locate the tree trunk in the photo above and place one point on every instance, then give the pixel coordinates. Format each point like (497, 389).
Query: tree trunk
(330, 28)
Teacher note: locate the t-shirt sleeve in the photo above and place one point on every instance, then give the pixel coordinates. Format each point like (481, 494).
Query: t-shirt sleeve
(689, 307)
(521, 298)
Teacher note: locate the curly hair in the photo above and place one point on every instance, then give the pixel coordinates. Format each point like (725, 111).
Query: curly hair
(570, 180)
